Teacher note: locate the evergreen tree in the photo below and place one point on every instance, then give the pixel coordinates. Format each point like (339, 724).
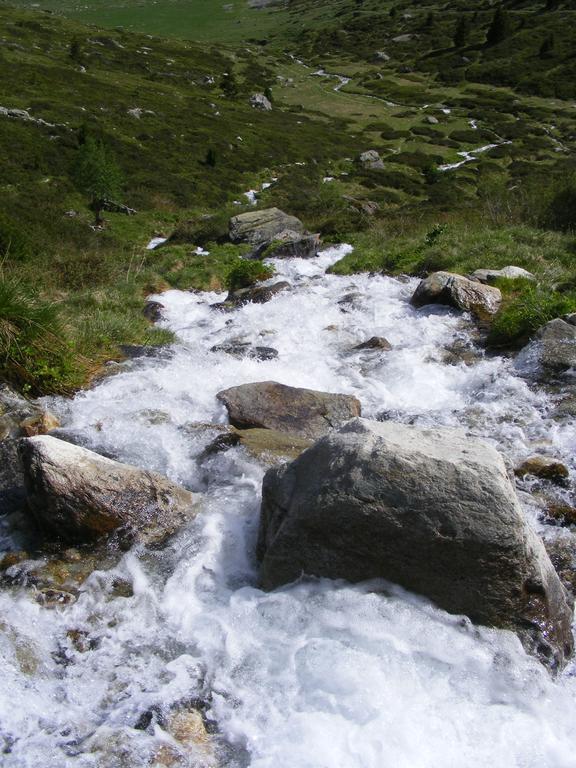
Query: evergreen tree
(210, 157)
(462, 32)
(229, 85)
(547, 48)
(499, 29)
(97, 175)
(75, 51)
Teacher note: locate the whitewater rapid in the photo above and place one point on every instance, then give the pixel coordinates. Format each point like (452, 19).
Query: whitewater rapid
(319, 674)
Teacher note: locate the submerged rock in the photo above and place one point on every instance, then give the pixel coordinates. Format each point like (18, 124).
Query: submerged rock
(429, 509)
(256, 227)
(459, 292)
(544, 467)
(375, 342)
(292, 410)
(77, 495)
(241, 349)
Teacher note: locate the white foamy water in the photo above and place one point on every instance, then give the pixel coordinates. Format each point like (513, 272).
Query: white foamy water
(316, 675)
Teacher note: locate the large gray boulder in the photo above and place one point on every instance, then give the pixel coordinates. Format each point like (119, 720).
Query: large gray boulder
(256, 227)
(429, 509)
(553, 350)
(77, 495)
(295, 411)
(459, 292)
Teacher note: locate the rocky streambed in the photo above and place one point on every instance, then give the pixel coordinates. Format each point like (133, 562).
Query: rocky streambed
(149, 653)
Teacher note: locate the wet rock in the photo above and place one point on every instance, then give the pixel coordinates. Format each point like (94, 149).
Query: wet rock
(430, 509)
(295, 411)
(191, 741)
(136, 351)
(259, 101)
(553, 350)
(570, 318)
(371, 160)
(258, 227)
(376, 342)
(459, 292)
(55, 598)
(153, 311)
(255, 294)
(19, 417)
(12, 493)
(544, 467)
(289, 245)
(564, 514)
(489, 276)
(271, 446)
(460, 352)
(562, 553)
(244, 349)
(350, 301)
(76, 495)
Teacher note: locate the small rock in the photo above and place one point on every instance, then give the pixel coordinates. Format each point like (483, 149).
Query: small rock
(562, 513)
(255, 294)
(260, 101)
(371, 160)
(431, 120)
(243, 349)
(543, 467)
(153, 311)
(55, 598)
(376, 342)
(289, 245)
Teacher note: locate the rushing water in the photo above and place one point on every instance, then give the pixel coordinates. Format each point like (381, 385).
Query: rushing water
(319, 674)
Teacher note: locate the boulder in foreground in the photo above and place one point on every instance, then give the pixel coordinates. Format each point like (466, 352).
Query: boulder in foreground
(77, 495)
(295, 411)
(431, 510)
(459, 292)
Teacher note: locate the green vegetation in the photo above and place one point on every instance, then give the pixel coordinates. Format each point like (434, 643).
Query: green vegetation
(246, 273)
(97, 175)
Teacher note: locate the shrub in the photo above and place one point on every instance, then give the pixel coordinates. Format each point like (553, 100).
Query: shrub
(246, 273)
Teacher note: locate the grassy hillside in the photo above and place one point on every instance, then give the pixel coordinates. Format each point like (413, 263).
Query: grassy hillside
(479, 150)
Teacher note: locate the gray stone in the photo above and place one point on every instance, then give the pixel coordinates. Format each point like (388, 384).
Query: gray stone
(553, 350)
(459, 292)
(489, 276)
(20, 417)
(259, 101)
(153, 311)
(245, 349)
(376, 342)
(295, 411)
(77, 495)
(289, 245)
(254, 294)
(371, 160)
(258, 227)
(430, 509)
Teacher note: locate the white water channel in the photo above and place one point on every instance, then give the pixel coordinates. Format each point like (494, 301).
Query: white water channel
(319, 674)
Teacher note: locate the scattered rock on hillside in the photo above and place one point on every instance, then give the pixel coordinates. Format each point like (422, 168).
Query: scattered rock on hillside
(459, 292)
(431, 120)
(371, 160)
(257, 227)
(259, 101)
(302, 412)
(77, 495)
(544, 467)
(289, 245)
(429, 509)
(489, 276)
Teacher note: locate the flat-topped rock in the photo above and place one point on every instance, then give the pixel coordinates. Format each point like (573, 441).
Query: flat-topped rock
(295, 411)
(489, 276)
